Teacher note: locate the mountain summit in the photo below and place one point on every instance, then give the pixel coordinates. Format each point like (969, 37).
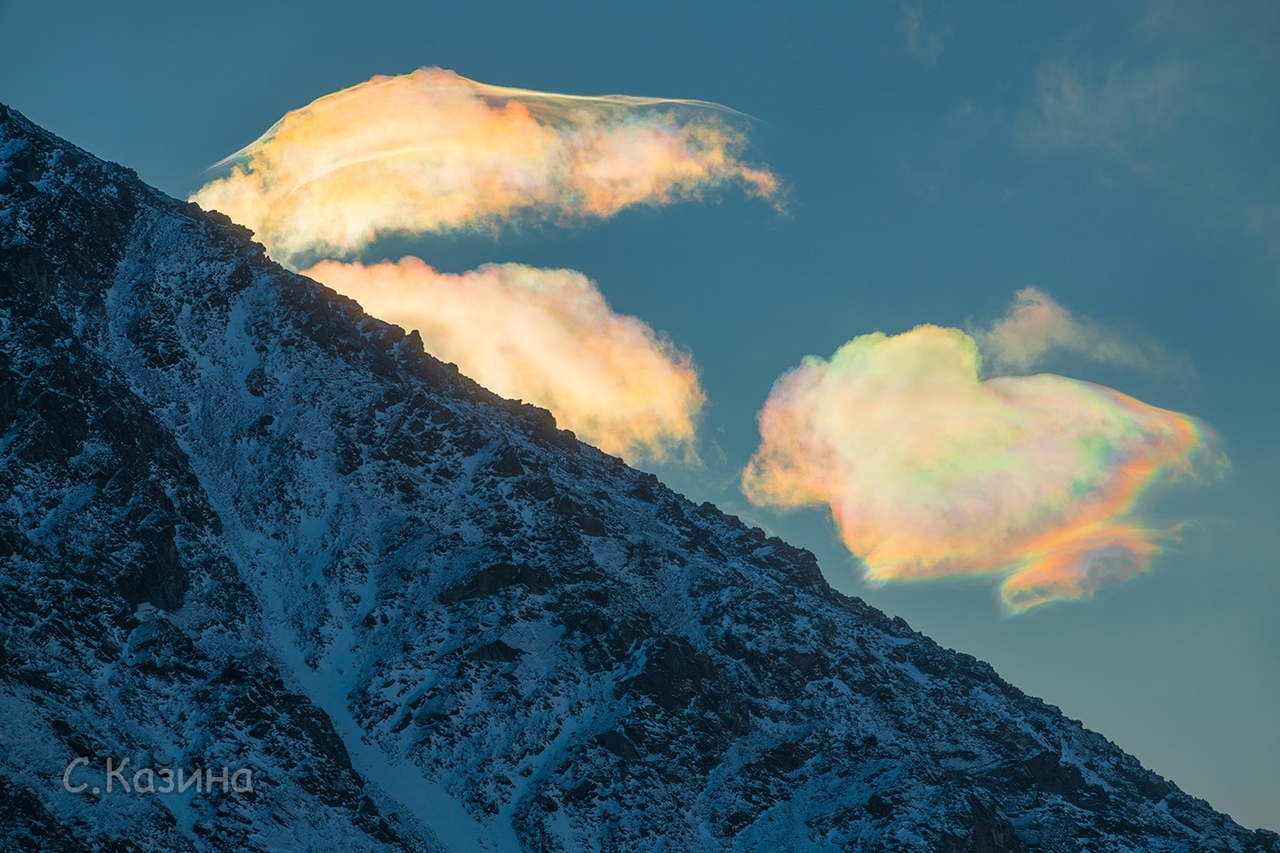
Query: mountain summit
(252, 536)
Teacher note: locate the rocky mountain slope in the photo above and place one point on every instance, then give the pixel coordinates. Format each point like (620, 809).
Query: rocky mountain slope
(243, 525)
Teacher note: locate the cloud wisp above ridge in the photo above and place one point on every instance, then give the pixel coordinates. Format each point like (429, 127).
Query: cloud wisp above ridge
(1037, 328)
(432, 152)
(932, 472)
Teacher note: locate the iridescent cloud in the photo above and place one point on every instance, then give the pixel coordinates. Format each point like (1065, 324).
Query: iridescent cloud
(432, 152)
(931, 472)
(545, 336)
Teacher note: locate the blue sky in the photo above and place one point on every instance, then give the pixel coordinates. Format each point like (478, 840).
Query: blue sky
(1120, 157)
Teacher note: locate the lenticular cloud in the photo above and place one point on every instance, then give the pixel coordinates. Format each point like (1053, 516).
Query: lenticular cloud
(931, 472)
(433, 152)
(547, 336)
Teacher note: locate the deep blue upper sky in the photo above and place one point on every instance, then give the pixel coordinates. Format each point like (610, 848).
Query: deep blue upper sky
(929, 181)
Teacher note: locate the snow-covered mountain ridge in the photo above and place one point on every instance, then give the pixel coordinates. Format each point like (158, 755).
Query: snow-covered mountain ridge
(244, 525)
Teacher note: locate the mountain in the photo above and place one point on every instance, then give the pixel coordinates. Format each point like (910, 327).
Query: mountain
(247, 529)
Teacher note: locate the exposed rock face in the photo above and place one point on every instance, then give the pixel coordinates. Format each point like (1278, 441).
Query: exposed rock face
(242, 524)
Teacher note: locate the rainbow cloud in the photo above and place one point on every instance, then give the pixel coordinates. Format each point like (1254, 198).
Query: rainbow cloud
(931, 472)
(433, 152)
(547, 336)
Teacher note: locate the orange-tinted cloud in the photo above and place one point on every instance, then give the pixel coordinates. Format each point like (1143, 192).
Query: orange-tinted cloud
(1037, 327)
(932, 472)
(432, 152)
(545, 336)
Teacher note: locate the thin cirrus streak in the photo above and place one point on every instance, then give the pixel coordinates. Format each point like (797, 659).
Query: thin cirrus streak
(433, 152)
(931, 472)
(546, 336)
